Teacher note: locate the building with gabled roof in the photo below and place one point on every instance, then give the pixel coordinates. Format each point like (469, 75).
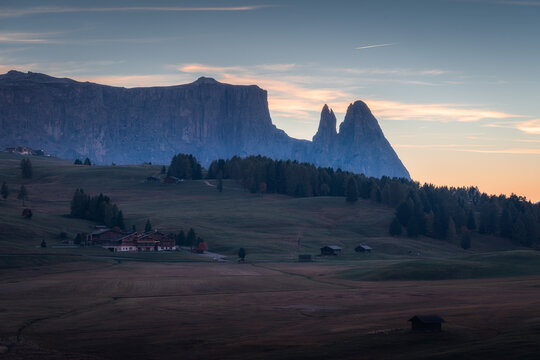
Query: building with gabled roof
(331, 250)
(363, 248)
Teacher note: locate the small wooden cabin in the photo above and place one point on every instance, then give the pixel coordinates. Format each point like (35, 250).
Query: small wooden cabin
(330, 250)
(426, 323)
(363, 248)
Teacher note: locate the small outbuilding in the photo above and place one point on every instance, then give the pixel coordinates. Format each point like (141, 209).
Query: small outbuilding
(426, 323)
(330, 250)
(363, 248)
(305, 258)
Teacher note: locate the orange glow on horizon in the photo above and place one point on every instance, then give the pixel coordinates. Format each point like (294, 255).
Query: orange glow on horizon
(503, 174)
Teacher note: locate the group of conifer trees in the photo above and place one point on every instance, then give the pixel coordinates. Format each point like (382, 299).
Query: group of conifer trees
(435, 211)
(185, 166)
(26, 173)
(96, 208)
(190, 239)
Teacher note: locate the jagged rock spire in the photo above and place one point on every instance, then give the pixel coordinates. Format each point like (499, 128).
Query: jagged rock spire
(326, 134)
(359, 124)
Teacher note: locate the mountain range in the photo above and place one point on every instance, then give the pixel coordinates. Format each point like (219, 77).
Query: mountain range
(206, 118)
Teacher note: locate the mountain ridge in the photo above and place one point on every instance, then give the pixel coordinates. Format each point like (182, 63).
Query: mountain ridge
(206, 118)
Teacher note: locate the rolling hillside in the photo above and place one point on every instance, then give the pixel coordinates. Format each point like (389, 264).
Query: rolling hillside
(270, 227)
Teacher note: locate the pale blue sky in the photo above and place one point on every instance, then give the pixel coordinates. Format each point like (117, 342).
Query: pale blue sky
(454, 83)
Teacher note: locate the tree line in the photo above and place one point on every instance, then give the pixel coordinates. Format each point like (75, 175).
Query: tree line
(96, 208)
(185, 166)
(435, 211)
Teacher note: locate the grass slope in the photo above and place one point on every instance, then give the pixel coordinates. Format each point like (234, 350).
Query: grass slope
(270, 227)
(502, 264)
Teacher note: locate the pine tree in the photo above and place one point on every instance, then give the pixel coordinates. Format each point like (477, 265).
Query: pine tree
(4, 191)
(220, 185)
(471, 222)
(351, 191)
(120, 220)
(191, 237)
(163, 170)
(148, 226)
(466, 240)
(395, 227)
(181, 238)
(413, 228)
(77, 162)
(23, 194)
(87, 162)
(242, 254)
(519, 232)
(26, 169)
(403, 212)
(219, 178)
(451, 231)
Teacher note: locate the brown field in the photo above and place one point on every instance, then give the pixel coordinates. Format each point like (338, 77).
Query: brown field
(139, 310)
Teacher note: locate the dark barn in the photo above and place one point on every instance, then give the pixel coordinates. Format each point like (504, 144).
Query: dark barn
(363, 248)
(331, 250)
(427, 323)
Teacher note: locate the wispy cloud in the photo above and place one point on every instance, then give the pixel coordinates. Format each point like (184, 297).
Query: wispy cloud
(372, 46)
(472, 148)
(515, 151)
(21, 37)
(527, 126)
(433, 146)
(17, 12)
(393, 110)
(530, 126)
(395, 72)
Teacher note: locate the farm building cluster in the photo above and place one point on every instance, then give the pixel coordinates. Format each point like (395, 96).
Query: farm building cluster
(117, 241)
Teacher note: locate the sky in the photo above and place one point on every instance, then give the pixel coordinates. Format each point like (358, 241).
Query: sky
(455, 84)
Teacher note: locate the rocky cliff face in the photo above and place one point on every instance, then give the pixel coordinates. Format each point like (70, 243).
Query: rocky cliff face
(206, 118)
(359, 145)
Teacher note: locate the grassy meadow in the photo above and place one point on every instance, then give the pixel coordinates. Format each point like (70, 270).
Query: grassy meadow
(88, 303)
(269, 227)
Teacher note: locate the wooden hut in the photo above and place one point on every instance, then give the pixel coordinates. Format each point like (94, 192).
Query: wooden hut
(426, 323)
(330, 250)
(363, 248)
